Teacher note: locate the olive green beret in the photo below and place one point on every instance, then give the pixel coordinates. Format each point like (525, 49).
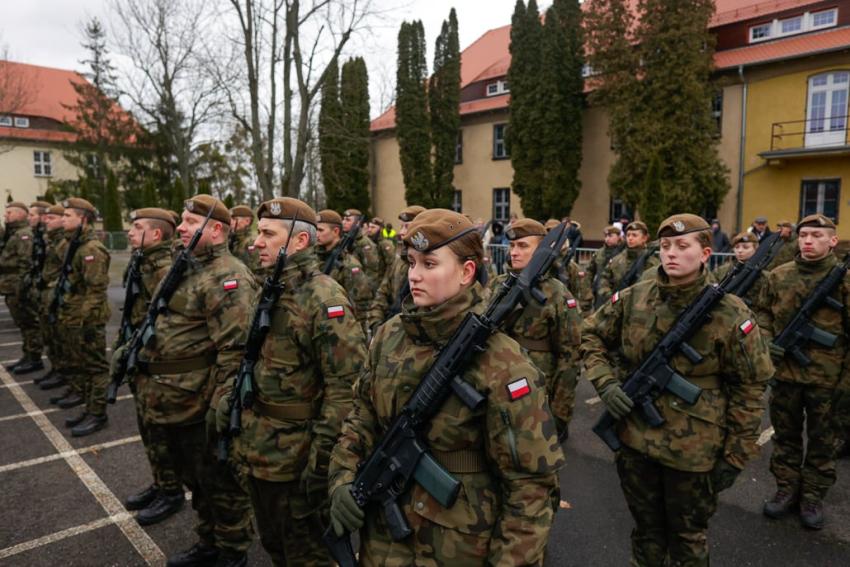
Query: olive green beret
(745, 237)
(153, 213)
(525, 227)
(17, 205)
(785, 223)
(377, 220)
(177, 218)
(816, 220)
(41, 204)
(409, 213)
(202, 204)
(55, 210)
(80, 204)
(435, 228)
(242, 211)
(637, 225)
(678, 225)
(287, 208)
(328, 216)
(612, 230)
(352, 213)
(550, 224)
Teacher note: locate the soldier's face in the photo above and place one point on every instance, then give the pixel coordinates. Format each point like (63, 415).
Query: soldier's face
(682, 257)
(326, 236)
(636, 238)
(816, 242)
(612, 240)
(14, 214)
(521, 250)
(437, 276)
(785, 231)
(272, 235)
(744, 251)
(348, 222)
(71, 219)
(238, 223)
(140, 231)
(53, 221)
(192, 222)
(34, 217)
(402, 231)
(372, 229)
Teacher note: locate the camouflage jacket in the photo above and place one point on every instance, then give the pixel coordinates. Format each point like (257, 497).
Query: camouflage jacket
(349, 273)
(16, 257)
(787, 287)
(312, 355)
(208, 316)
(733, 373)
(241, 245)
(576, 279)
(387, 294)
(155, 265)
(598, 262)
(754, 298)
(56, 240)
(510, 501)
(619, 266)
(86, 302)
(550, 334)
(786, 254)
(386, 254)
(367, 253)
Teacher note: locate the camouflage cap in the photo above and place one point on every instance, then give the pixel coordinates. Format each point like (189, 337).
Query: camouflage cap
(785, 224)
(525, 227)
(328, 216)
(745, 237)
(55, 210)
(153, 213)
(550, 224)
(612, 230)
(816, 220)
(41, 205)
(435, 228)
(680, 224)
(202, 204)
(287, 208)
(352, 213)
(80, 204)
(638, 225)
(377, 220)
(242, 211)
(409, 213)
(17, 205)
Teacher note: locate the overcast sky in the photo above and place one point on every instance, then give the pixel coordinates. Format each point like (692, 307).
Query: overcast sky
(47, 32)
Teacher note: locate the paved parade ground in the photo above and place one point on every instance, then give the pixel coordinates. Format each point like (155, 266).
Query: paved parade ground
(61, 498)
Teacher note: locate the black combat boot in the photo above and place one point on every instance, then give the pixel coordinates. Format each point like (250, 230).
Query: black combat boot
(11, 366)
(91, 424)
(70, 401)
(44, 378)
(163, 506)
(811, 514)
(781, 503)
(56, 380)
(59, 397)
(232, 559)
(76, 420)
(199, 555)
(143, 499)
(28, 366)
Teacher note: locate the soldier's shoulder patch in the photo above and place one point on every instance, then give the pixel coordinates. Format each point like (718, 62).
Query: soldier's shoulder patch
(582, 274)
(747, 326)
(367, 247)
(88, 259)
(335, 311)
(518, 389)
(616, 297)
(251, 248)
(355, 270)
(25, 237)
(230, 285)
(571, 303)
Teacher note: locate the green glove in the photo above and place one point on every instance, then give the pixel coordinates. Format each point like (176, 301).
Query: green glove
(117, 355)
(723, 475)
(615, 399)
(222, 414)
(776, 352)
(346, 515)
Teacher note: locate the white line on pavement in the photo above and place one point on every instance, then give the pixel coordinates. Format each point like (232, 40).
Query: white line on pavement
(16, 360)
(64, 534)
(24, 383)
(41, 412)
(11, 344)
(56, 456)
(140, 540)
(765, 436)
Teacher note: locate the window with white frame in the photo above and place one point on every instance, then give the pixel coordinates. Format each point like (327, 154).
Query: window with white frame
(824, 19)
(497, 87)
(801, 23)
(760, 32)
(820, 196)
(500, 149)
(501, 204)
(42, 165)
(717, 110)
(457, 201)
(791, 25)
(22, 122)
(5, 120)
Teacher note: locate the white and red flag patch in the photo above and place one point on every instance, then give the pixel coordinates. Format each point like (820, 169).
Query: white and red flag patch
(251, 248)
(616, 297)
(571, 303)
(88, 259)
(355, 270)
(229, 285)
(747, 326)
(518, 388)
(25, 237)
(336, 311)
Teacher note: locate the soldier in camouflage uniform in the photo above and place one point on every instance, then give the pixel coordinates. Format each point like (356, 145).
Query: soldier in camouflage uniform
(671, 475)
(505, 454)
(152, 229)
(303, 385)
(365, 250)
(550, 333)
(82, 321)
(386, 246)
(789, 249)
(637, 236)
(241, 241)
(56, 241)
(348, 271)
(744, 245)
(803, 394)
(197, 347)
(612, 246)
(15, 262)
(574, 277)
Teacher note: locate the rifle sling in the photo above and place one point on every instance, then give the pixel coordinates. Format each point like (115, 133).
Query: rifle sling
(180, 366)
(705, 382)
(292, 411)
(462, 461)
(534, 345)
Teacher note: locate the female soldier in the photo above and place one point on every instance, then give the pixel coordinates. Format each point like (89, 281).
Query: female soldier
(671, 475)
(505, 454)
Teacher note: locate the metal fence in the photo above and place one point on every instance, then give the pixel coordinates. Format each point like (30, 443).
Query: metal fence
(114, 240)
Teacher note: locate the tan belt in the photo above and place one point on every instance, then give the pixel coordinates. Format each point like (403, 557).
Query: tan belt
(291, 411)
(463, 461)
(180, 366)
(535, 345)
(705, 382)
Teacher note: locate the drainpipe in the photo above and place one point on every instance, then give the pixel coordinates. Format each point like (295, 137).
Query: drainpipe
(741, 153)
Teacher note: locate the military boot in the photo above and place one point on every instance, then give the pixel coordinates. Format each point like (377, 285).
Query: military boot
(232, 559)
(781, 503)
(28, 366)
(143, 499)
(200, 554)
(11, 366)
(91, 424)
(163, 506)
(76, 420)
(45, 377)
(70, 401)
(65, 393)
(55, 380)
(811, 514)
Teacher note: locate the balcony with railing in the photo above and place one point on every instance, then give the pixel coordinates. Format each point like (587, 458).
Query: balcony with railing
(817, 136)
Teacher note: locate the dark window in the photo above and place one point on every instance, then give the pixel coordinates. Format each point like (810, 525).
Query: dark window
(459, 147)
(457, 201)
(820, 196)
(500, 150)
(501, 204)
(717, 111)
(619, 209)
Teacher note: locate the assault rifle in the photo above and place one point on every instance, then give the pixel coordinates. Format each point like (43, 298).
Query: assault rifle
(597, 278)
(637, 268)
(800, 330)
(63, 284)
(133, 289)
(402, 456)
(654, 375)
(346, 244)
(34, 278)
(773, 244)
(575, 238)
(242, 395)
(159, 304)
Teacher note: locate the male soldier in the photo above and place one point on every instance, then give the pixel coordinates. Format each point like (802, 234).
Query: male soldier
(760, 228)
(671, 475)
(151, 231)
(348, 271)
(15, 262)
(601, 258)
(619, 267)
(789, 249)
(386, 247)
(803, 394)
(574, 277)
(197, 346)
(549, 333)
(364, 249)
(316, 344)
(55, 239)
(82, 321)
(394, 286)
(241, 241)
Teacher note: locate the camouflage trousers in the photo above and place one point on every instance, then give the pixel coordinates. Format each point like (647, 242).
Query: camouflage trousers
(24, 312)
(52, 344)
(793, 408)
(289, 525)
(223, 507)
(563, 400)
(84, 350)
(671, 510)
(841, 411)
(163, 469)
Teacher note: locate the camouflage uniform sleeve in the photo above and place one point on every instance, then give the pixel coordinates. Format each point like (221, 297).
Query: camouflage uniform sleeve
(748, 358)
(606, 282)
(360, 291)
(600, 335)
(767, 298)
(382, 300)
(568, 367)
(522, 443)
(95, 273)
(583, 291)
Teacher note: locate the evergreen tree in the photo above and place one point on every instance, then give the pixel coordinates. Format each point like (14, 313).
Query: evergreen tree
(111, 210)
(444, 98)
(354, 91)
(653, 203)
(330, 139)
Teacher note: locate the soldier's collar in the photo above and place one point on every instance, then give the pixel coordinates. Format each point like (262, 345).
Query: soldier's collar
(811, 266)
(435, 325)
(210, 252)
(679, 294)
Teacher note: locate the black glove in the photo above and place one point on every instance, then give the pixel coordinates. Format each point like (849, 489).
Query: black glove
(723, 475)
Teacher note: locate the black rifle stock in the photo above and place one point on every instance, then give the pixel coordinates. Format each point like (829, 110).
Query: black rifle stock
(62, 284)
(132, 291)
(637, 268)
(346, 244)
(752, 271)
(800, 330)
(575, 238)
(34, 279)
(159, 304)
(401, 456)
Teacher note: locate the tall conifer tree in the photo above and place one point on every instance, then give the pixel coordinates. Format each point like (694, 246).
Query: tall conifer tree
(354, 92)
(444, 96)
(330, 142)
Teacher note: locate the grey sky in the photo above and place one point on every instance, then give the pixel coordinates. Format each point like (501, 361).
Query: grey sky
(47, 32)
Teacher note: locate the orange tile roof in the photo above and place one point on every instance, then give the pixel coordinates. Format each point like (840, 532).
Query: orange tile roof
(731, 11)
(37, 134)
(812, 43)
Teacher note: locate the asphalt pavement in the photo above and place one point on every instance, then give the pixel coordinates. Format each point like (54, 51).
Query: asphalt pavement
(61, 497)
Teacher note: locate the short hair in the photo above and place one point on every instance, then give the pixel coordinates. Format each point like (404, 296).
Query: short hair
(298, 227)
(704, 237)
(165, 228)
(469, 247)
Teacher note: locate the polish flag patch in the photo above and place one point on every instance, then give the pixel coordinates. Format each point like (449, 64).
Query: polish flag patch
(581, 274)
(615, 298)
(336, 311)
(229, 285)
(88, 259)
(355, 270)
(571, 303)
(518, 389)
(251, 248)
(25, 237)
(747, 326)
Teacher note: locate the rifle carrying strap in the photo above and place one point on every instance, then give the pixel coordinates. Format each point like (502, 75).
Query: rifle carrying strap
(462, 461)
(180, 366)
(297, 411)
(534, 345)
(705, 382)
